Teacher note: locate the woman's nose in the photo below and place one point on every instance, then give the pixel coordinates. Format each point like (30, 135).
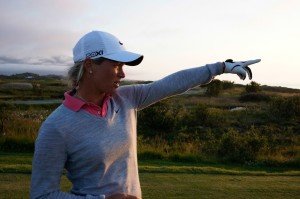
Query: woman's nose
(121, 73)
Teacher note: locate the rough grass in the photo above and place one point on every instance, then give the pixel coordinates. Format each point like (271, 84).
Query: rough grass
(166, 179)
(21, 163)
(218, 186)
(181, 185)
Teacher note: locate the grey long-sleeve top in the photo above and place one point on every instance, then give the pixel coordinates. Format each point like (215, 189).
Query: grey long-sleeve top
(100, 153)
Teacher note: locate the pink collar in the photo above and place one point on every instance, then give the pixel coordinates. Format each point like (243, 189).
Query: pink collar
(76, 104)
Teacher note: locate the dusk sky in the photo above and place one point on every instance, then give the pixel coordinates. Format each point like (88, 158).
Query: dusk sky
(172, 35)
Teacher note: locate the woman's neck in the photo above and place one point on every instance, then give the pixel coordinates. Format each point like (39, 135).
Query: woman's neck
(89, 96)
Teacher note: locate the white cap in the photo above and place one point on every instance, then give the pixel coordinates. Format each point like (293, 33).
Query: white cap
(97, 44)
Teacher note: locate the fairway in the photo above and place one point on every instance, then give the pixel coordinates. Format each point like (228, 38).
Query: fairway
(163, 180)
(218, 186)
(180, 185)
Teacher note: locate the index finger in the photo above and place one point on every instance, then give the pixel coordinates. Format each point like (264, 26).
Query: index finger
(252, 61)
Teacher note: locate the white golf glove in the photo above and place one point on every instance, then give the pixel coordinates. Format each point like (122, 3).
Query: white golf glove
(240, 67)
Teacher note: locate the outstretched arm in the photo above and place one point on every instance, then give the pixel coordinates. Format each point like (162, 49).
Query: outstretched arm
(143, 95)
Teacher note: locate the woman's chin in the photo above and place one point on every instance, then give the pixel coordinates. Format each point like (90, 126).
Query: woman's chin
(113, 91)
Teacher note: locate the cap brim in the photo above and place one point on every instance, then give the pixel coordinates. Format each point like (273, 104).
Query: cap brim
(126, 57)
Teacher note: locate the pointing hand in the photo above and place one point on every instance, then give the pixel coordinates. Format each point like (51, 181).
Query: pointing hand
(240, 68)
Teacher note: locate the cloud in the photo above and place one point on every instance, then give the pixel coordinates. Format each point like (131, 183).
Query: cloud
(41, 29)
(53, 60)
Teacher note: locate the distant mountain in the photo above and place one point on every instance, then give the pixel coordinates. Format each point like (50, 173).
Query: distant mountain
(31, 76)
(25, 75)
(28, 75)
(52, 76)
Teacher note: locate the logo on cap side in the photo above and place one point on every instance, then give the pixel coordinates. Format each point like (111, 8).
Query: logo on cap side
(94, 54)
(120, 43)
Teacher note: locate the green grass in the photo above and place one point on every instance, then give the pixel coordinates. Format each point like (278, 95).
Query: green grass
(181, 185)
(166, 179)
(218, 186)
(21, 163)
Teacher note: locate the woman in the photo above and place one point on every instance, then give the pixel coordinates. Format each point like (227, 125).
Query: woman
(92, 134)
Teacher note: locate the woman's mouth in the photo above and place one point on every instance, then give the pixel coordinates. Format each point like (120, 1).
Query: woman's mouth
(117, 84)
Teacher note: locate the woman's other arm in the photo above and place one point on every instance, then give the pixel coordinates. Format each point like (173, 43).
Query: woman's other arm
(47, 165)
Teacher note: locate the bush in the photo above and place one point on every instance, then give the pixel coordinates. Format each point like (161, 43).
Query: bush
(156, 118)
(4, 118)
(238, 148)
(253, 87)
(227, 84)
(285, 108)
(16, 144)
(151, 155)
(185, 158)
(214, 88)
(217, 118)
(231, 146)
(254, 97)
(209, 142)
(197, 116)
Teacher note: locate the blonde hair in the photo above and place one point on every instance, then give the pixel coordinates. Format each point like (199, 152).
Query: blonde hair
(75, 73)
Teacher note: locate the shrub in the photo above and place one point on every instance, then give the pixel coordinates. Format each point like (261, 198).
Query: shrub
(254, 97)
(216, 118)
(197, 116)
(227, 84)
(239, 148)
(150, 155)
(156, 118)
(161, 119)
(285, 108)
(4, 118)
(214, 88)
(14, 144)
(231, 146)
(176, 157)
(253, 87)
(209, 143)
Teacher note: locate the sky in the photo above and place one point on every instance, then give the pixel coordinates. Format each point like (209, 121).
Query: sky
(38, 36)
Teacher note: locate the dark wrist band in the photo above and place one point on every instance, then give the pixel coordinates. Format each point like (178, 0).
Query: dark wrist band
(223, 64)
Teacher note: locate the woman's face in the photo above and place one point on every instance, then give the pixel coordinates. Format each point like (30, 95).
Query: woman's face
(106, 76)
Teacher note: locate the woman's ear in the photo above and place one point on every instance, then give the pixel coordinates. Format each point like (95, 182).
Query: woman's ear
(88, 65)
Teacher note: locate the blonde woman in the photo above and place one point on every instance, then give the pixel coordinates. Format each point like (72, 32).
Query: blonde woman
(92, 134)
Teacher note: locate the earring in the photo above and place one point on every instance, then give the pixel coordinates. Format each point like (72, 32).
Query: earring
(91, 72)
